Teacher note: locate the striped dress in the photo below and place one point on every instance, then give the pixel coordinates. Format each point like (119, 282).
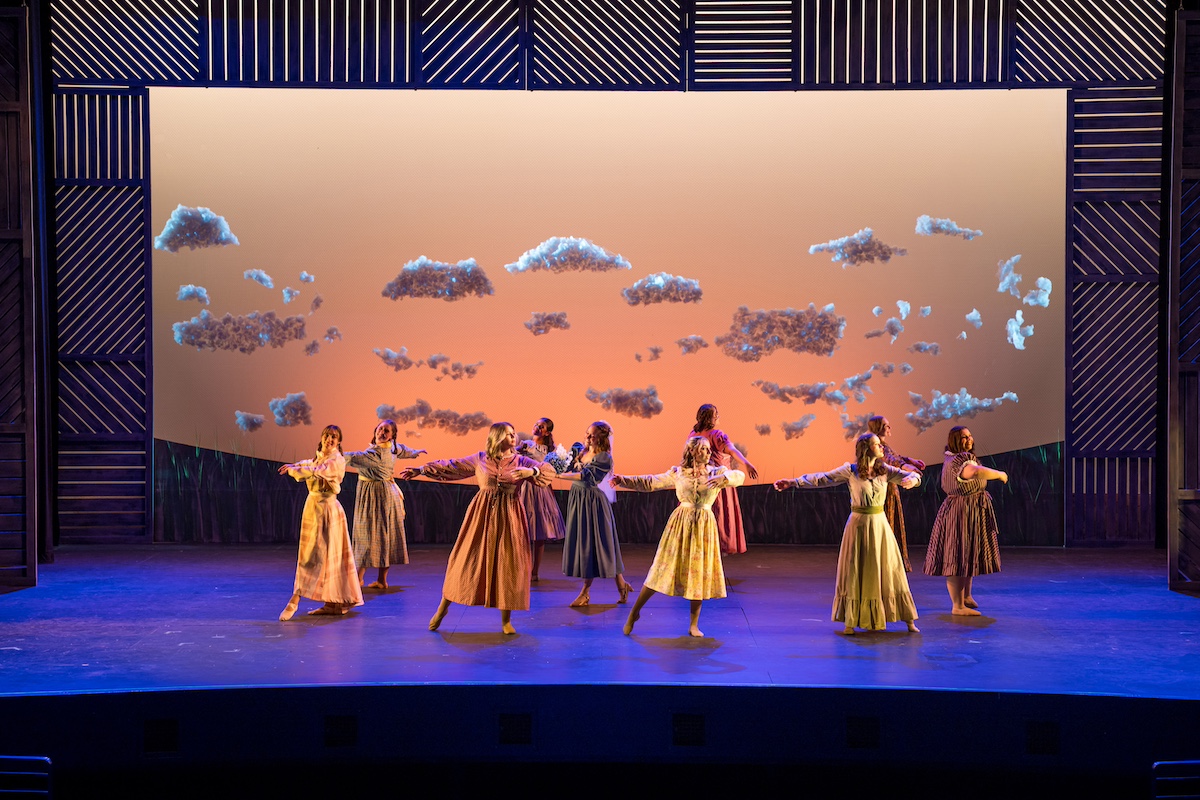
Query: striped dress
(892, 508)
(965, 540)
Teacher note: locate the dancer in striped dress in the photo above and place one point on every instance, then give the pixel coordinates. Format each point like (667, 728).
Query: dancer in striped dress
(964, 541)
(892, 508)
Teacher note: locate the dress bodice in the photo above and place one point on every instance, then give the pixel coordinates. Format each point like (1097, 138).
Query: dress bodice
(488, 472)
(863, 493)
(690, 489)
(952, 480)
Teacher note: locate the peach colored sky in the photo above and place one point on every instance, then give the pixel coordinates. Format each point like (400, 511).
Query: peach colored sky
(726, 188)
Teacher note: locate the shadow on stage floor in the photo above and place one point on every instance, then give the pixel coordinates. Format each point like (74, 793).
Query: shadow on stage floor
(166, 666)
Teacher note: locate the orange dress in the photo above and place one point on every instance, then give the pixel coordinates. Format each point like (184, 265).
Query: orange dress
(490, 563)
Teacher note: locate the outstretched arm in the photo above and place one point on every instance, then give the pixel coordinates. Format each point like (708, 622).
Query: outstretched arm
(972, 471)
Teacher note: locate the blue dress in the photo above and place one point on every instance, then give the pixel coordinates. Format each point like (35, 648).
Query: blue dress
(591, 549)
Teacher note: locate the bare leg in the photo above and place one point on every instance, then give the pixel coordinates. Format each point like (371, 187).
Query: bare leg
(584, 595)
(380, 583)
(623, 589)
(439, 615)
(506, 622)
(635, 613)
(956, 586)
(538, 549)
(362, 575)
(912, 626)
(968, 600)
(290, 609)
(694, 627)
(329, 610)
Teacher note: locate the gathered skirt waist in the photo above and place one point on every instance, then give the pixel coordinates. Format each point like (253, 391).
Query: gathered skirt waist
(866, 509)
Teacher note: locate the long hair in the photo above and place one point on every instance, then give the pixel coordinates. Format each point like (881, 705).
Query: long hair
(390, 424)
(548, 427)
(603, 440)
(694, 460)
(956, 442)
(706, 416)
(862, 457)
(875, 425)
(498, 431)
(330, 429)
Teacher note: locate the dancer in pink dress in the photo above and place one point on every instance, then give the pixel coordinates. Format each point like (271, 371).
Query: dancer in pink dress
(726, 509)
(892, 508)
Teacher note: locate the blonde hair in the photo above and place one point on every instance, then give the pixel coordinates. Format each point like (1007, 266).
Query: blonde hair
(495, 436)
(603, 441)
(691, 454)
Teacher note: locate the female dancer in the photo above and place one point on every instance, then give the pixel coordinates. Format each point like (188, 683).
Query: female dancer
(541, 509)
(378, 505)
(325, 566)
(489, 565)
(872, 588)
(727, 509)
(688, 560)
(591, 549)
(891, 506)
(964, 542)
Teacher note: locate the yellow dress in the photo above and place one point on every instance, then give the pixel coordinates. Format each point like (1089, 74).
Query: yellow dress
(688, 561)
(325, 569)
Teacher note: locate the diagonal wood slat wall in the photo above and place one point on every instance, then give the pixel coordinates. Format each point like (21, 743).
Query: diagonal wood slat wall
(607, 45)
(1070, 42)
(472, 44)
(97, 41)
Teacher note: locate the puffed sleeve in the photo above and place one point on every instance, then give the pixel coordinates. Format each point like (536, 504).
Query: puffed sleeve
(732, 477)
(544, 475)
(453, 469)
(897, 475)
(594, 471)
(816, 480)
(648, 483)
(400, 451)
(365, 459)
(331, 470)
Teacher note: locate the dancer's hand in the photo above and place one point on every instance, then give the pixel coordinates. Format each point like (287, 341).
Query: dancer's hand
(409, 473)
(784, 483)
(284, 469)
(751, 471)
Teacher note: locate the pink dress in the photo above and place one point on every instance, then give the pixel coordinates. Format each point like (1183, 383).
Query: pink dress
(490, 563)
(325, 568)
(726, 507)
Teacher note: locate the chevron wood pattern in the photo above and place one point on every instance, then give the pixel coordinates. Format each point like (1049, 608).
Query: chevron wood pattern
(307, 42)
(607, 44)
(470, 44)
(1113, 356)
(145, 41)
(1088, 41)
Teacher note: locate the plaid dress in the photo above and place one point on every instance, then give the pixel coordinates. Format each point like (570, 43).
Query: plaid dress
(325, 564)
(378, 533)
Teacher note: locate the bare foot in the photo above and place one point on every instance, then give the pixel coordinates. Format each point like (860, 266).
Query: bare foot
(965, 612)
(848, 631)
(912, 627)
(436, 620)
(378, 586)
(694, 631)
(329, 610)
(633, 617)
(534, 579)
(507, 629)
(624, 589)
(582, 600)
(970, 603)
(290, 609)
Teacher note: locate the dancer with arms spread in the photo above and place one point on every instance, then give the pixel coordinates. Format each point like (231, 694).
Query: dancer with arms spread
(378, 505)
(965, 538)
(541, 509)
(325, 564)
(688, 560)
(892, 509)
(489, 564)
(591, 549)
(727, 509)
(872, 587)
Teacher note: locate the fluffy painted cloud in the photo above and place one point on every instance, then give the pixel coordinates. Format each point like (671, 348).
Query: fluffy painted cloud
(852, 427)
(860, 248)
(1008, 276)
(332, 334)
(426, 416)
(543, 322)
(312, 348)
(975, 318)
(290, 294)
(753, 335)
(316, 303)
(241, 333)
(1041, 295)
(567, 254)
(259, 277)
(928, 226)
(807, 393)
(642, 403)
(893, 327)
(932, 348)
(663, 287)
(399, 361)
(1018, 331)
(942, 407)
(926, 311)
(192, 292)
(192, 228)
(248, 422)
(425, 278)
(691, 344)
(291, 410)
(791, 430)
(905, 308)
(305, 277)
(764, 430)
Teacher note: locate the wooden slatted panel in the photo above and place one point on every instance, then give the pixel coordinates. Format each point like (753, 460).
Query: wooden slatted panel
(102, 488)
(98, 136)
(1113, 358)
(1115, 240)
(13, 344)
(102, 269)
(1088, 41)
(10, 69)
(102, 398)
(607, 44)
(12, 198)
(306, 42)
(13, 521)
(1112, 500)
(469, 44)
(143, 41)
(1189, 274)
(738, 44)
(1117, 143)
(903, 42)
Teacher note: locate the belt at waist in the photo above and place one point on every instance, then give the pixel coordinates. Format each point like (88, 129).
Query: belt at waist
(706, 507)
(867, 509)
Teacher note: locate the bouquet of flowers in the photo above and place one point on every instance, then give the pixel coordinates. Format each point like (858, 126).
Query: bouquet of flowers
(561, 459)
